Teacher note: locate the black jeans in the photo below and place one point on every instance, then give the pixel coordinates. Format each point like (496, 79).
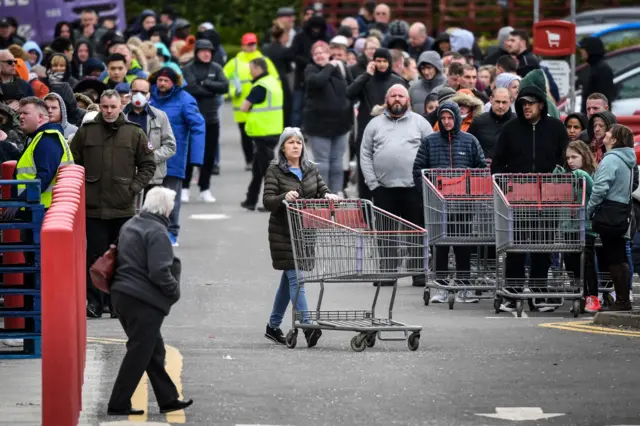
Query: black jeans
(145, 352)
(263, 155)
(100, 234)
(247, 144)
(572, 263)
(407, 204)
(212, 144)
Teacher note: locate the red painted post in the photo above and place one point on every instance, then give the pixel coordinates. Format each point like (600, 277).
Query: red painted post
(12, 258)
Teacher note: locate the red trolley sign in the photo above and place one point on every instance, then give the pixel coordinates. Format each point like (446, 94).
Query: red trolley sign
(554, 38)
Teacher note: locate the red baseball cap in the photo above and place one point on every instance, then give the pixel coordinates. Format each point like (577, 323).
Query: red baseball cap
(249, 38)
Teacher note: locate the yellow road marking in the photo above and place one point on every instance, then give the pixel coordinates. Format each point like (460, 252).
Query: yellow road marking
(588, 327)
(140, 398)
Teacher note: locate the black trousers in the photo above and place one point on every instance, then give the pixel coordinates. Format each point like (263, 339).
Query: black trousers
(247, 144)
(100, 234)
(212, 144)
(263, 155)
(145, 352)
(407, 204)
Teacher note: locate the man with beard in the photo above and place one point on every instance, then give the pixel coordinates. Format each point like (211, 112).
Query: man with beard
(370, 89)
(388, 151)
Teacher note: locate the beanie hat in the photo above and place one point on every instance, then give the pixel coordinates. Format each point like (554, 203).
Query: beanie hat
(168, 72)
(445, 93)
(383, 53)
(204, 44)
(505, 79)
(123, 88)
(398, 28)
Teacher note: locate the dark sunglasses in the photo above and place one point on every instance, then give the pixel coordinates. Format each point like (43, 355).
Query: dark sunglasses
(10, 62)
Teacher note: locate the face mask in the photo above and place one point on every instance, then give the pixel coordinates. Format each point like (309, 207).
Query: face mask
(138, 100)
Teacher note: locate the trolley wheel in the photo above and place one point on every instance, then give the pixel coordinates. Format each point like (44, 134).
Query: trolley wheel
(583, 303)
(358, 343)
(413, 342)
(371, 339)
(426, 296)
(497, 302)
(292, 338)
(519, 308)
(576, 308)
(452, 299)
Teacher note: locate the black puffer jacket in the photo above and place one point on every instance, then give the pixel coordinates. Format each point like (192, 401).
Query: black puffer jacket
(315, 29)
(206, 82)
(599, 78)
(487, 127)
(360, 67)
(277, 182)
(526, 148)
(371, 91)
(327, 110)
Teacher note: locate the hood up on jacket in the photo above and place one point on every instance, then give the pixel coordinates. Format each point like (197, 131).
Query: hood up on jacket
(153, 79)
(432, 58)
(461, 39)
(606, 116)
(67, 71)
(503, 35)
(452, 107)
(595, 48)
(584, 122)
(536, 93)
(316, 28)
(69, 129)
(536, 78)
(32, 46)
(384, 53)
(476, 107)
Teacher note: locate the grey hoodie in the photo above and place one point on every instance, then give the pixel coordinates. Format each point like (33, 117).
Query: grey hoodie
(69, 129)
(420, 88)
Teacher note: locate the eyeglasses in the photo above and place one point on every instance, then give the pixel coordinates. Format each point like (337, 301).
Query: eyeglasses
(10, 62)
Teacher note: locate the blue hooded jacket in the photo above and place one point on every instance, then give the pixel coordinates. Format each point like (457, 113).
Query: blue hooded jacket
(187, 124)
(613, 178)
(28, 47)
(448, 149)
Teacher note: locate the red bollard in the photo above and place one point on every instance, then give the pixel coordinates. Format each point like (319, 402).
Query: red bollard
(12, 258)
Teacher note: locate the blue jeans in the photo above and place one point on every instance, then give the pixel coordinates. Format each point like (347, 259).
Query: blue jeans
(174, 183)
(328, 154)
(630, 260)
(287, 293)
(296, 108)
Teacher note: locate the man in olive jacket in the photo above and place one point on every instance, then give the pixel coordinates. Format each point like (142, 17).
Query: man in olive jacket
(119, 162)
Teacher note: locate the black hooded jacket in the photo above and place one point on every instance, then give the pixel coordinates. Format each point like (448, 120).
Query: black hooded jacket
(523, 147)
(78, 70)
(67, 78)
(372, 90)
(599, 75)
(315, 29)
(487, 128)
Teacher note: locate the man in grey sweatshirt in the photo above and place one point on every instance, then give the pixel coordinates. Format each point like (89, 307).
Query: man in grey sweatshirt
(389, 147)
(58, 113)
(430, 77)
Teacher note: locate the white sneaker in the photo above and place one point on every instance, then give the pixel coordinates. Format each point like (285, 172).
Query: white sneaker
(14, 343)
(631, 296)
(184, 196)
(508, 306)
(440, 296)
(207, 197)
(466, 297)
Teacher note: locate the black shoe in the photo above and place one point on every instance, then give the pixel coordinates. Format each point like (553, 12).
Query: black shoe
(263, 209)
(113, 315)
(125, 412)
(419, 281)
(176, 405)
(247, 205)
(312, 337)
(216, 170)
(386, 283)
(275, 334)
(93, 311)
(619, 306)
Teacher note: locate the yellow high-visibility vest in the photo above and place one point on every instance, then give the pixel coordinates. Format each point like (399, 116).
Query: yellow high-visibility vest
(26, 168)
(267, 117)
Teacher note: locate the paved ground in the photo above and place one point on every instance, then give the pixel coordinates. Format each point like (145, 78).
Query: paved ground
(470, 361)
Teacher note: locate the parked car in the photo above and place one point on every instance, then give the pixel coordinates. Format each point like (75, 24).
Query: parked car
(627, 101)
(619, 33)
(619, 60)
(594, 21)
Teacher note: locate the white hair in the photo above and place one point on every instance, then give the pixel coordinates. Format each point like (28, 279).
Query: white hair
(159, 200)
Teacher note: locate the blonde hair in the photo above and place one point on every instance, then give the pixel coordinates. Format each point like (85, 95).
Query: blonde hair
(58, 60)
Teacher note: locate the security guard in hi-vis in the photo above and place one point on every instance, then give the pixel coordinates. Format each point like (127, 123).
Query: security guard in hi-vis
(46, 152)
(265, 123)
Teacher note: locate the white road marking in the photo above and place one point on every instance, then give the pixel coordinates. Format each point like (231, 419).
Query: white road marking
(208, 216)
(524, 314)
(520, 414)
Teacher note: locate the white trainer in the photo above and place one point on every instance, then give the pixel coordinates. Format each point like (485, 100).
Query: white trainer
(184, 196)
(207, 197)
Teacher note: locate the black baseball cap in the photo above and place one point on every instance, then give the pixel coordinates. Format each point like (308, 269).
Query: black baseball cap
(4, 22)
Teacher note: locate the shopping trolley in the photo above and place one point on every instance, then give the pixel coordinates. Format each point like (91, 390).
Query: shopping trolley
(458, 211)
(353, 241)
(539, 213)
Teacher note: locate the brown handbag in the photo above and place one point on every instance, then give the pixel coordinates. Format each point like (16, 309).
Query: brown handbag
(103, 269)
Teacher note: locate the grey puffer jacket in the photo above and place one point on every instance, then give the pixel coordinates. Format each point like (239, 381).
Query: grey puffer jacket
(146, 267)
(420, 88)
(69, 129)
(277, 182)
